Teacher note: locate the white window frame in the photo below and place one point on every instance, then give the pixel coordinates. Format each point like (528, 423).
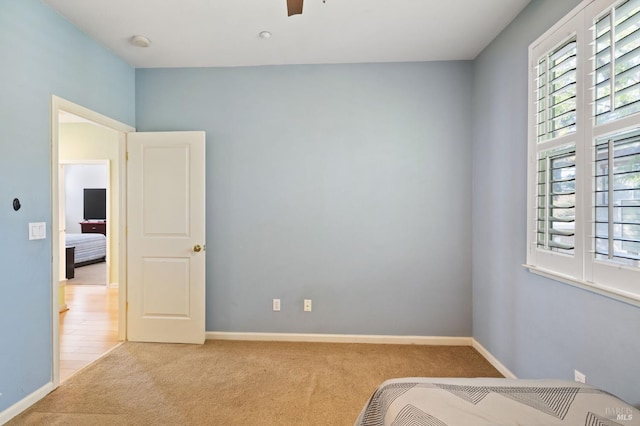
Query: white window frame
(580, 269)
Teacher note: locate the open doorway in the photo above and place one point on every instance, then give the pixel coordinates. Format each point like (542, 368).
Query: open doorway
(89, 318)
(88, 163)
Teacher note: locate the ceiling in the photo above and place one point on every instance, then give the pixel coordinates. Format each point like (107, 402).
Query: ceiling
(224, 33)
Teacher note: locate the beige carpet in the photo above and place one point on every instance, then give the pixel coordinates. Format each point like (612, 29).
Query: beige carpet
(241, 383)
(94, 274)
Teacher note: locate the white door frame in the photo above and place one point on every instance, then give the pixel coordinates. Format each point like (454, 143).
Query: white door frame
(58, 104)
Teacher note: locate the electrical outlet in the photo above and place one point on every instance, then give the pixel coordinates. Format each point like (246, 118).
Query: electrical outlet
(307, 305)
(579, 377)
(276, 305)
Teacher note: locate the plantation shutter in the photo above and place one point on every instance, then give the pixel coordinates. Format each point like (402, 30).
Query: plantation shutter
(617, 200)
(583, 186)
(617, 63)
(557, 90)
(556, 195)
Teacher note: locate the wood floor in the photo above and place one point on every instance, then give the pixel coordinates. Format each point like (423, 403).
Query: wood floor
(89, 328)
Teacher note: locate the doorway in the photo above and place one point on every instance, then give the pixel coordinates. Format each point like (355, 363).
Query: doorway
(88, 319)
(89, 316)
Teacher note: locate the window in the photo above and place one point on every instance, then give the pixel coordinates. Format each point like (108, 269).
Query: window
(556, 200)
(584, 149)
(617, 58)
(617, 200)
(557, 89)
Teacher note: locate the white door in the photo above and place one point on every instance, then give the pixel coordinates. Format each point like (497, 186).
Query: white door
(166, 237)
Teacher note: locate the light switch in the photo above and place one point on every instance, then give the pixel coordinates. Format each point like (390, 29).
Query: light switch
(37, 230)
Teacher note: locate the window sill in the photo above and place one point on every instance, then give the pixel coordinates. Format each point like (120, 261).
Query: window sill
(612, 293)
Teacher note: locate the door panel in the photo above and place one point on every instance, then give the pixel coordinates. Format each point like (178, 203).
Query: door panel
(166, 177)
(165, 290)
(166, 221)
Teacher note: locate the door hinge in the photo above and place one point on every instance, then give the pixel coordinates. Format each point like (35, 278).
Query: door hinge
(127, 307)
(126, 154)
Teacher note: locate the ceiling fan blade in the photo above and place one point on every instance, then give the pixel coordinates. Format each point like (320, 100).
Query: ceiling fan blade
(294, 7)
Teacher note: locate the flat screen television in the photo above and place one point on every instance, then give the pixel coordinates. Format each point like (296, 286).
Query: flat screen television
(95, 204)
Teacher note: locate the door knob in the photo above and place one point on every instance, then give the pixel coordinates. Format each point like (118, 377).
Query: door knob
(197, 248)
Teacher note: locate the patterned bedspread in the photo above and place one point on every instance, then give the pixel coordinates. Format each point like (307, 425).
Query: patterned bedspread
(450, 402)
(88, 246)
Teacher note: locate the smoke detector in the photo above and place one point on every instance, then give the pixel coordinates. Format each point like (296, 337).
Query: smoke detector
(140, 41)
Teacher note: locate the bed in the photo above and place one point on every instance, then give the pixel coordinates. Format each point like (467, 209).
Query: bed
(89, 248)
(488, 401)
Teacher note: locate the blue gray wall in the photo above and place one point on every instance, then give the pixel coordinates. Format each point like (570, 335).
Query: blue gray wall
(535, 326)
(344, 184)
(42, 54)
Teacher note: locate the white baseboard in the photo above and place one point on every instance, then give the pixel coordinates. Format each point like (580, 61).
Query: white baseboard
(114, 285)
(341, 338)
(25, 403)
(492, 360)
